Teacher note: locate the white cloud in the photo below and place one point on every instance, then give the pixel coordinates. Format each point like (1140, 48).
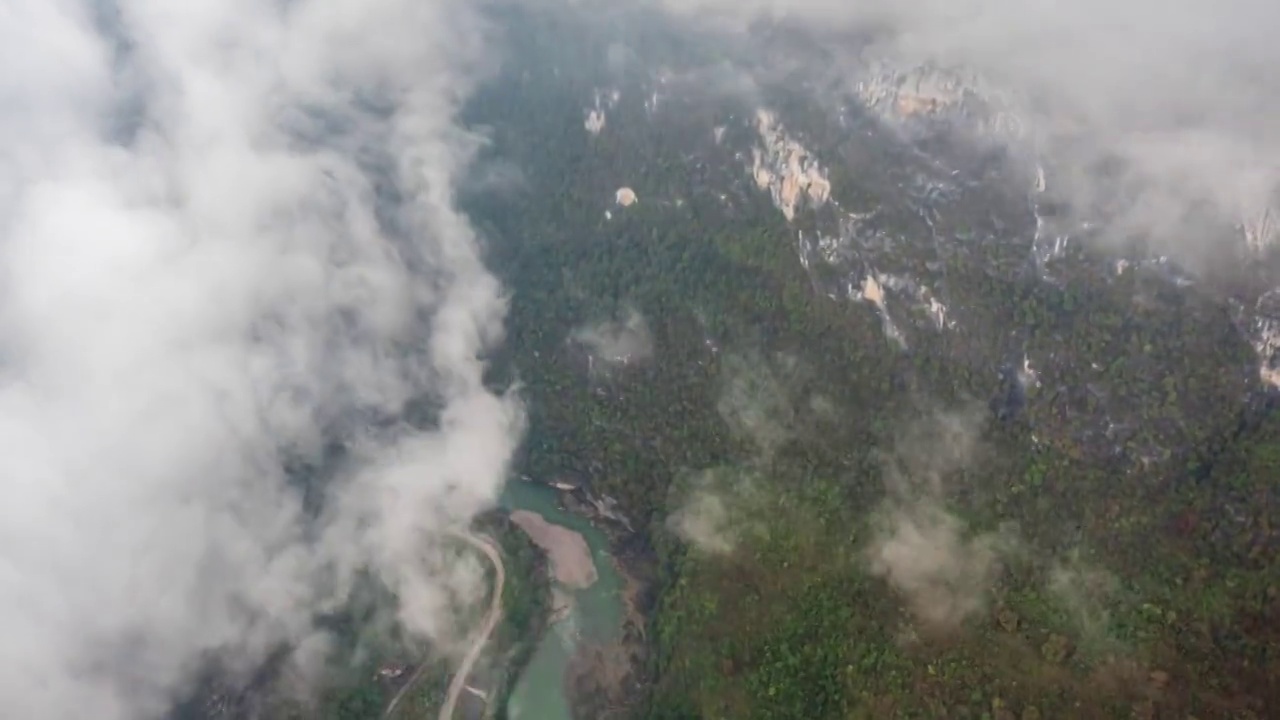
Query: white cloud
(182, 303)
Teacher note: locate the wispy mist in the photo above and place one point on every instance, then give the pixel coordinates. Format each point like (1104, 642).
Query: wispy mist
(200, 280)
(942, 568)
(623, 341)
(1177, 100)
(1086, 593)
(713, 509)
(754, 402)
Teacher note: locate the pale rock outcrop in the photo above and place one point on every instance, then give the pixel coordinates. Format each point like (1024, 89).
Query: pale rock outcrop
(597, 114)
(595, 121)
(873, 292)
(929, 91)
(1261, 231)
(785, 168)
(1263, 333)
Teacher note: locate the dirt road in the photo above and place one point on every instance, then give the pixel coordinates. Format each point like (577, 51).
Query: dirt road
(486, 545)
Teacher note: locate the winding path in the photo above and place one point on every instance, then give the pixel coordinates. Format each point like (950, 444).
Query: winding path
(486, 545)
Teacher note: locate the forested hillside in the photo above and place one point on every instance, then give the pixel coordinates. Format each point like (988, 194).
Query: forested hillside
(844, 527)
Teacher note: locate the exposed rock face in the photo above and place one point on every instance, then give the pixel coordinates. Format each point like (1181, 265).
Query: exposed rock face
(571, 562)
(873, 292)
(930, 93)
(582, 501)
(785, 168)
(912, 91)
(596, 117)
(1261, 231)
(1264, 335)
(595, 121)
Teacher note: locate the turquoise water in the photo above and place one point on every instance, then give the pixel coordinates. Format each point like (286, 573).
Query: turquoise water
(597, 611)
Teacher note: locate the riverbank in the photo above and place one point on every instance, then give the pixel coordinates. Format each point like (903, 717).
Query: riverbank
(591, 660)
(579, 568)
(610, 679)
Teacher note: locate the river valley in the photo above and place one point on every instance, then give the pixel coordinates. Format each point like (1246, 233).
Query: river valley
(592, 610)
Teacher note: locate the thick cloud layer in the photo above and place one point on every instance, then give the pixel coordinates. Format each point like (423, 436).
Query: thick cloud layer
(198, 282)
(1183, 90)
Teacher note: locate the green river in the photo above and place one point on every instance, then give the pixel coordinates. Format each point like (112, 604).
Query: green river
(596, 614)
